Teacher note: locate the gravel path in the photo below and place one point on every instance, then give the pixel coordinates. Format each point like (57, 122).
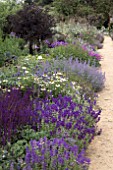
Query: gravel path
(101, 149)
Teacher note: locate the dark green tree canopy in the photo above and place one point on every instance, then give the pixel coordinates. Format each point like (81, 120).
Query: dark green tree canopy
(95, 8)
(42, 2)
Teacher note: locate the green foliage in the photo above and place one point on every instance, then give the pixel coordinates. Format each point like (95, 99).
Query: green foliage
(84, 10)
(74, 51)
(10, 49)
(24, 75)
(7, 7)
(103, 6)
(15, 152)
(40, 2)
(88, 36)
(71, 31)
(66, 7)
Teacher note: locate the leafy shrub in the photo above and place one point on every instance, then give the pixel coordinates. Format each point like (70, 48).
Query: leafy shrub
(45, 2)
(72, 31)
(6, 8)
(10, 49)
(65, 7)
(74, 51)
(96, 39)
(84, 10)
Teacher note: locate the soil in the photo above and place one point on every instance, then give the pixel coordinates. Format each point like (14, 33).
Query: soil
(100, 150)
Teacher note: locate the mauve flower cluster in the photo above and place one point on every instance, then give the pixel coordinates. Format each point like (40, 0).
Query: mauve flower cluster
(16, 111)
(54, 154)
(91, 52)
(94, 54)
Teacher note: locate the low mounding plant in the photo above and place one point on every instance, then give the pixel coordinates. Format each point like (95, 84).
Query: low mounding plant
(54, 154)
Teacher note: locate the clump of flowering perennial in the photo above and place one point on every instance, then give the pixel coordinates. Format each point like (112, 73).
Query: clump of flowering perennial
(16, 111)
(87, 48)
(69, 68)
(55, 154)
(92, 75)
(62, 117)
(91, 52)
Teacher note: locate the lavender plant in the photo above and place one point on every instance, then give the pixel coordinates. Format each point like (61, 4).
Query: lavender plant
(73, 68)
(55, 154)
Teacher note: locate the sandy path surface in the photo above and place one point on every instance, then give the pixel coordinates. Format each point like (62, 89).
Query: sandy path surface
(101, 149)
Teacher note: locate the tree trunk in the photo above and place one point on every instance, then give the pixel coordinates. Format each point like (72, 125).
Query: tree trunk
(31, 47)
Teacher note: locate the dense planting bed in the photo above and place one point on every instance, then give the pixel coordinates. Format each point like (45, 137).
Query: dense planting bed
(48, 110)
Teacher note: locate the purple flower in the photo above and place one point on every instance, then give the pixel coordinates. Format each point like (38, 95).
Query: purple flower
(60, 160)
(58, 43)
(16, 111)
(57, 153)
(12, 34)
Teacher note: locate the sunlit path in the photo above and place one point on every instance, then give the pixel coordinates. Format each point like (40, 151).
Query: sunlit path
(101, 149)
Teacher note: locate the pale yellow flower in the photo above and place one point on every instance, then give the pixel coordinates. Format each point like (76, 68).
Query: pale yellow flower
(57, 85)
(5, 81)
(39, 57)
(26, 71)
(24, 68)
